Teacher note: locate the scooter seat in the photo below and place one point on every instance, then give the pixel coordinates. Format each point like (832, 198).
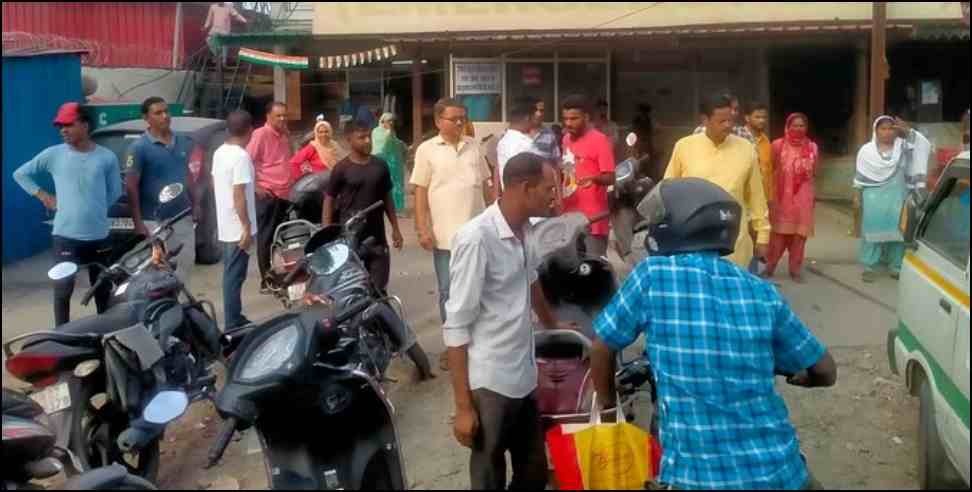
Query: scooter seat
(115, 318)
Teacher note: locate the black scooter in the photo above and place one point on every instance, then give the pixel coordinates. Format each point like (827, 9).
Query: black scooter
(309, 381)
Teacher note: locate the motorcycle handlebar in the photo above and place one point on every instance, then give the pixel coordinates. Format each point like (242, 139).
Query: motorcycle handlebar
(94, 288)
(222, 441)
(360, 215)
(352, 311)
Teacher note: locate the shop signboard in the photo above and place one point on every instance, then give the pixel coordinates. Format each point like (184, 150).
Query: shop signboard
(478, 78)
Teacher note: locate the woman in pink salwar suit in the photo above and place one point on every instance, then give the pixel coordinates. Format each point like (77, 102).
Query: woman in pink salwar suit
(795, 157)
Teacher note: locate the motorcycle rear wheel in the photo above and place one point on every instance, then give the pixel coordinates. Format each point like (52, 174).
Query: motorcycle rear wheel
(94, 442)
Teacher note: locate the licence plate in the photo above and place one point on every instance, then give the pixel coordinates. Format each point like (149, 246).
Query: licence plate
(122, 223)
(296, 291)
(54, 398)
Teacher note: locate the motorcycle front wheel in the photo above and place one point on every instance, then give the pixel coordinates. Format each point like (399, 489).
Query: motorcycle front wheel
(94, 440)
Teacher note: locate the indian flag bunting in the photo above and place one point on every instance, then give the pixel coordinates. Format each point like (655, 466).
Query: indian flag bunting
(274, 60)
(337, 62)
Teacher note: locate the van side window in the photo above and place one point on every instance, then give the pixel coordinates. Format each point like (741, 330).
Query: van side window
(947, 231)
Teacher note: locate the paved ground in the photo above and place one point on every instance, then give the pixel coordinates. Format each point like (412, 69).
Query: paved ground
(861, 434)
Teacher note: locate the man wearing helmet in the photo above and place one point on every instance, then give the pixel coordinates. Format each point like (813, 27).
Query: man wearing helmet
(716, 337)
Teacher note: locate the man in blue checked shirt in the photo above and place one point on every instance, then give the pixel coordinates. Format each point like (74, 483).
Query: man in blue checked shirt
(717, 337)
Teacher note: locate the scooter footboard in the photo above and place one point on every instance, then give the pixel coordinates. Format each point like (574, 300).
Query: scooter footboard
(307, 449)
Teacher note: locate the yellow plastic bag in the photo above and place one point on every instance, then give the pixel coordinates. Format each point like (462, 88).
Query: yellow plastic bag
(618, 456)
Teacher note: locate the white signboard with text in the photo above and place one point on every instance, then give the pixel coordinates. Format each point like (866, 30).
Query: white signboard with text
(478, 78)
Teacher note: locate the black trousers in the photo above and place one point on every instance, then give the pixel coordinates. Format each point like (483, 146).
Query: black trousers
(379, 266)
(81, 253)
(270, 213)
(507, 424)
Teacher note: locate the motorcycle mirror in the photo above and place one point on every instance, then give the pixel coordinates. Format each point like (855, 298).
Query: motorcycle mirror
(62, 270)
(631, 139)
(166, 407)
(170, 192)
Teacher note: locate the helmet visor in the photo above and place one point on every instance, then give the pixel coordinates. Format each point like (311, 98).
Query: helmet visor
(652, 207)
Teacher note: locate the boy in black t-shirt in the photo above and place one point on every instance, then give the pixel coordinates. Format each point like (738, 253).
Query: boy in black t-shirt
(356, 183)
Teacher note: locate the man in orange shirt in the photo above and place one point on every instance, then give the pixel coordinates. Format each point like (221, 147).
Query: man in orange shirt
(757, 118)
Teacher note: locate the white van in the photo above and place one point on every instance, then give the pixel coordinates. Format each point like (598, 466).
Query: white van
(930, 345)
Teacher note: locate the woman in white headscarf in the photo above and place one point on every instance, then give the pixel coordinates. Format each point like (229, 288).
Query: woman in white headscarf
(893, 163)
(386, 146)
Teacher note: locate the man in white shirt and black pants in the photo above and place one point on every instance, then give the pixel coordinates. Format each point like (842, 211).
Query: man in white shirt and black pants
(235, 212)
(489, 330)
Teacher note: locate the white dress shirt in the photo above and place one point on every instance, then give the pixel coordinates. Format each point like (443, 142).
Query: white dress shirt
(513, 142)
(489, 306)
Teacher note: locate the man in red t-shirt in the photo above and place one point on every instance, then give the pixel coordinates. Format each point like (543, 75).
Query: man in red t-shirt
(593, 163)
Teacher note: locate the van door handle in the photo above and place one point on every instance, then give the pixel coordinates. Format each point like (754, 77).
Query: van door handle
(945, 306)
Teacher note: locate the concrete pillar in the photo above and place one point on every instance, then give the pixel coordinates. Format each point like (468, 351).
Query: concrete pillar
(279, 78)
(762, 91)
(417, 91)
(860, 131)
(879, 67)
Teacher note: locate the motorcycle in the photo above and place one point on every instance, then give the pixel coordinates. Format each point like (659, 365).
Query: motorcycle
(631, 186)
(578, 287)
(30, 451)
(94, 376)
(289, 238)
(309, 381)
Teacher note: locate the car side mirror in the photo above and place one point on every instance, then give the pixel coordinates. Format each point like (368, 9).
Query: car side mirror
(911, 214)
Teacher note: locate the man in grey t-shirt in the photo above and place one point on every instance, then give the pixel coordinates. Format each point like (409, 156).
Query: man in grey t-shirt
(87, 181)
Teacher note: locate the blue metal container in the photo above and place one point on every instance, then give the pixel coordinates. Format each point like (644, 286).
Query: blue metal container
(34, 86)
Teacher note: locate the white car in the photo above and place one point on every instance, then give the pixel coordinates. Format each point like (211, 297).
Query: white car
(930, 345)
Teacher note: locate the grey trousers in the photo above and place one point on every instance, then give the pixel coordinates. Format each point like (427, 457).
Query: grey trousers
(507, 424)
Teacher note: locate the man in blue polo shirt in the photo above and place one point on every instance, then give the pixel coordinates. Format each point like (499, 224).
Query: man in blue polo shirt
(159, 158)
(86, 183)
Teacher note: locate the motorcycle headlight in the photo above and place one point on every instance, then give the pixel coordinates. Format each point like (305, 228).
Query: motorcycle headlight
(271, 355)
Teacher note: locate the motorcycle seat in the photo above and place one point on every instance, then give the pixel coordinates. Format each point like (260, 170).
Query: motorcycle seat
(115, 318)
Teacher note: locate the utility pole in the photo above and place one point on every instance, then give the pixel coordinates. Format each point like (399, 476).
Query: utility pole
(879, 61)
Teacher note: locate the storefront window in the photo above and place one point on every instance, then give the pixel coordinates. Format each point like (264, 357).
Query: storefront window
(488, 86)
(527, 79)
(589, 79)
(479, 86)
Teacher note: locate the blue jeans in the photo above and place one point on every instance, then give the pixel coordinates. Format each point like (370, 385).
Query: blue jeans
(441, 258)
(235, 264)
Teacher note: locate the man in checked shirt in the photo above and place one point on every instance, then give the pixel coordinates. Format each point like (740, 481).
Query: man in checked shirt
(717, 337)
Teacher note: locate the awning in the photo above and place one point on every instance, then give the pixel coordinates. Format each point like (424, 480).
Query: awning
(616, 34)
